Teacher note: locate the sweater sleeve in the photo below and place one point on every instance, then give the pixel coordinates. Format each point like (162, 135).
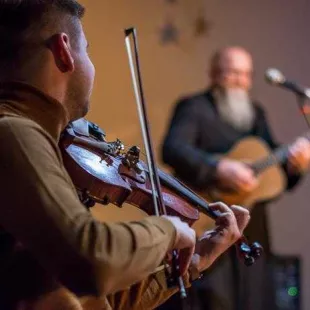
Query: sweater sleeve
(41, 209)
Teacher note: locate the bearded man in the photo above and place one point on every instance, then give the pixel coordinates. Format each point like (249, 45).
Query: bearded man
(210, 123)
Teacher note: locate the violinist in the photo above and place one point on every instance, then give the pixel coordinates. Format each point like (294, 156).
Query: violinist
(53, 252)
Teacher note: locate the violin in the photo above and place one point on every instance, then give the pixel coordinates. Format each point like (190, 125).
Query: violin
(103, 172)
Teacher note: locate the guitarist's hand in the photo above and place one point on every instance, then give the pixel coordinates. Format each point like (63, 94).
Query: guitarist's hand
(236, 175)
(299, 155)
(229, 228)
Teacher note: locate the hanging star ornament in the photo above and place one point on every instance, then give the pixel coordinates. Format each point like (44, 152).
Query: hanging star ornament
(169, 33)
(202, 26)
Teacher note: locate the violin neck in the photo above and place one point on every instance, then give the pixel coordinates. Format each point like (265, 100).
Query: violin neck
(185, 192)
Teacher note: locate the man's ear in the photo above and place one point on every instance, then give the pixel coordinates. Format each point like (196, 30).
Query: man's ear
(59, 44)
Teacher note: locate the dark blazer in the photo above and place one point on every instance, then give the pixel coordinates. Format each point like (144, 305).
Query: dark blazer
(196, 133)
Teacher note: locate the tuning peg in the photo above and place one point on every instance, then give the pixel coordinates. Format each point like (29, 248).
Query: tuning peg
(256, 250)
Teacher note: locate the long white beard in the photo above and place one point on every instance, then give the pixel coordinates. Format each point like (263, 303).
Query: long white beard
(235, 108)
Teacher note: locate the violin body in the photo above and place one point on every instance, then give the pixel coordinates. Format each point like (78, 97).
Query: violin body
(111, 178)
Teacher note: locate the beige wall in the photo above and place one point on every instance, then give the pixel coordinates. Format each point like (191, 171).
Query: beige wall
(277, 34)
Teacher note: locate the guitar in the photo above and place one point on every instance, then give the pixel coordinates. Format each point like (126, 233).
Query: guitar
(266, 164)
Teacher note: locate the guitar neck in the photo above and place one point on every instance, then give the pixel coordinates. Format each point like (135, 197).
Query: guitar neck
(279, 156)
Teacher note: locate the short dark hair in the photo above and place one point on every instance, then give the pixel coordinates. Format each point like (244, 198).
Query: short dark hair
(23, 24)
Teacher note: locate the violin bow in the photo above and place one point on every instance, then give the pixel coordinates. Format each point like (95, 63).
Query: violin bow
(158, 201)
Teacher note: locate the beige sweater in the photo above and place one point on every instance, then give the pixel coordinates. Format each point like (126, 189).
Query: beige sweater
(57, 241)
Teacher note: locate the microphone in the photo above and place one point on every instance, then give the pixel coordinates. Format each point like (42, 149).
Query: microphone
(275, 77)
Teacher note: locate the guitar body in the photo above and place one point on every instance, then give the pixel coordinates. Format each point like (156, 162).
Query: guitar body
(272, 180)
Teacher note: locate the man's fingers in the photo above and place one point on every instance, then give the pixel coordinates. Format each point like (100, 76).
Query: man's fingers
(300, 148)
(231, 216)
(225, 220)
(238, 210)
(242, 216)
(243, 181)
(230, 222)
(219, 206)
(225, 215)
